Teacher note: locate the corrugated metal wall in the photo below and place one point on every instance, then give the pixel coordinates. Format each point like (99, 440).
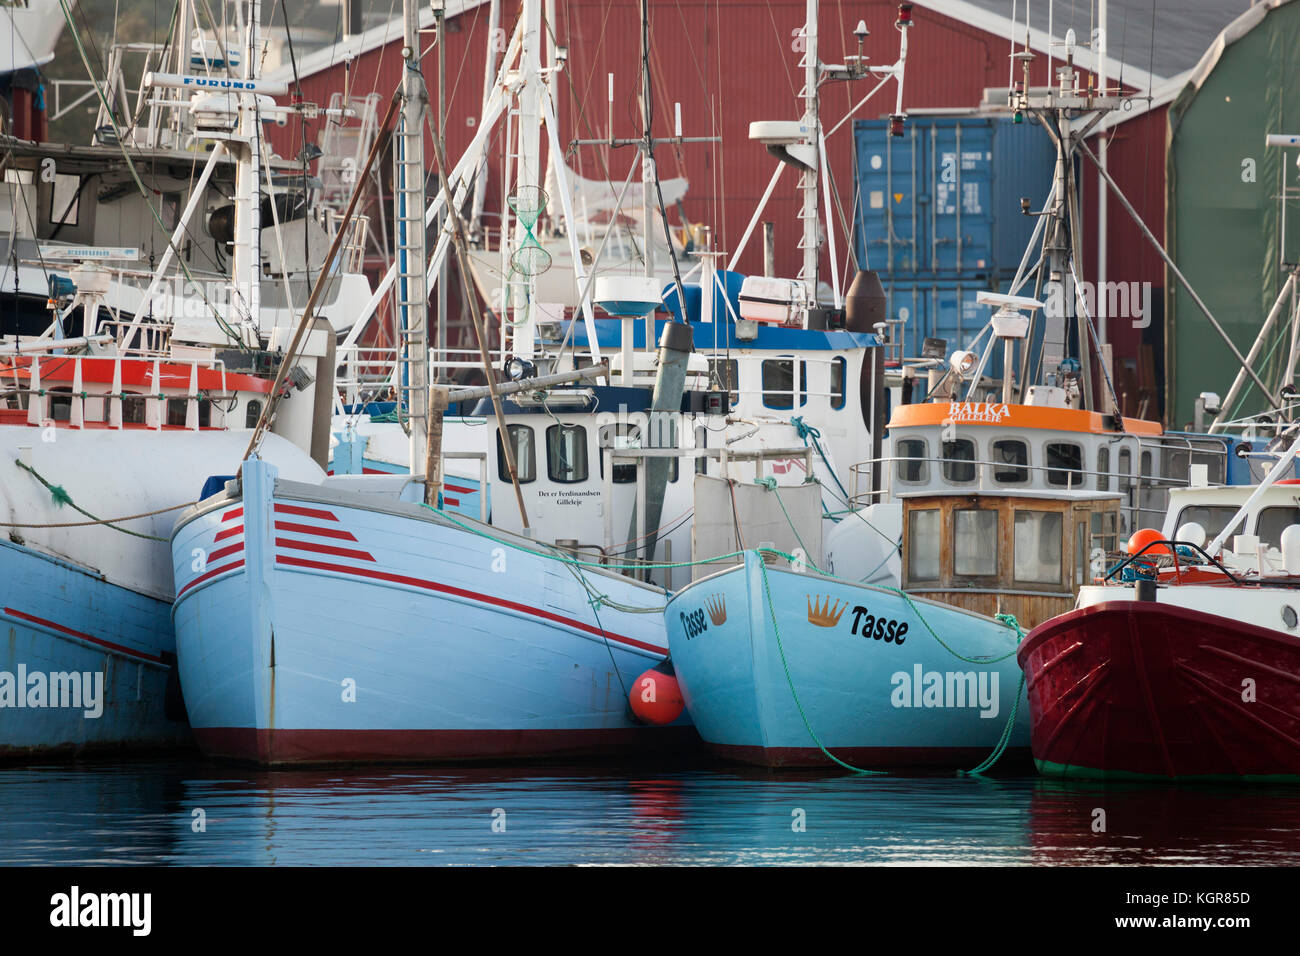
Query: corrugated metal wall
(729, 63)
(1224, 226)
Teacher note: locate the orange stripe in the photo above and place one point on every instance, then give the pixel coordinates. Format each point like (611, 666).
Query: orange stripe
(999, 415)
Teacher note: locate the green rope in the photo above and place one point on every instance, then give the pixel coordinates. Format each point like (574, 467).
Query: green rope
(62, 498)
(1004, 741)
(771, 610)
(998, 749)
(770, 485)
(1007, 619)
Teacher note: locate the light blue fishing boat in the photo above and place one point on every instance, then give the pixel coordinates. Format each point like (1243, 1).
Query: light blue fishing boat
(321, 624)
(789, 669)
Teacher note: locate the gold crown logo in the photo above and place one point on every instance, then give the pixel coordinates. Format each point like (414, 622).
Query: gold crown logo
(717, 607)
(823, 614)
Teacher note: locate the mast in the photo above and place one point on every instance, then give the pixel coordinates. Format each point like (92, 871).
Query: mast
(810, 242)
(412, 288)
(528, 163)
(247, 266)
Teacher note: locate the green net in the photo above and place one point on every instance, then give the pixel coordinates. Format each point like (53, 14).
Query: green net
(527, 203)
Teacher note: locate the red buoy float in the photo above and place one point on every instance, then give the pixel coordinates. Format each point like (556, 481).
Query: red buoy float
(656, 697)
(1143, 537)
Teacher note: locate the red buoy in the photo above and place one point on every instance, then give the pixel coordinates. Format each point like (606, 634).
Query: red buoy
(1144, 537)
(656, 697)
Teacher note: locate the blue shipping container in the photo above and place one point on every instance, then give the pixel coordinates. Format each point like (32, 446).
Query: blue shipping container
(943, 200)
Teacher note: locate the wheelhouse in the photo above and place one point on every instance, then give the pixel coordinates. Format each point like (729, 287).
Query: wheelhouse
(1025, 553)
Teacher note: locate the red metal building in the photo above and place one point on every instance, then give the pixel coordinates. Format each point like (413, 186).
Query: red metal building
(731, 62)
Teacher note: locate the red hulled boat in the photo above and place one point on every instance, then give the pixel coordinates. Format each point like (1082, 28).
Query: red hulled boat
(1191, 673)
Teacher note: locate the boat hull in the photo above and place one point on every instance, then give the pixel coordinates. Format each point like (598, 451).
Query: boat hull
(324, 628)
(86, 666)
(784, 695)
(1140, 689)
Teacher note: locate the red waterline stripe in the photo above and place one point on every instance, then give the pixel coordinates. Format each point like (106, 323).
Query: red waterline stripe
(232, 514)
(33, 619)
(228, 549)
(472, 595)
(308, 529)
(450, 501)
(305, 512)
(229, 532)
(211, 574)
(459, 488)
(324, 549)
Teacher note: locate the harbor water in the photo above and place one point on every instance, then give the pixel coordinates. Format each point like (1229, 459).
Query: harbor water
(194, 812)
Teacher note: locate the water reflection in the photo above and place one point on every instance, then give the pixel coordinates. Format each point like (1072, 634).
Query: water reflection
(145, 813)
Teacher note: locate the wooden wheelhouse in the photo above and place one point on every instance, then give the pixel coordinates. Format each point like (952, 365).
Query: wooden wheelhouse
(1024, 554)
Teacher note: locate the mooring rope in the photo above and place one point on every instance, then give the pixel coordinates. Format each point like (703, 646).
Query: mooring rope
(61, 498)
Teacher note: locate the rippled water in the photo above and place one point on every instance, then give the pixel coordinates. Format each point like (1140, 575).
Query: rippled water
(109, 813)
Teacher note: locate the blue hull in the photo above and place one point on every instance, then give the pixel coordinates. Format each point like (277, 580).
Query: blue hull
(60, 620)
(849, 668)
(330, 627)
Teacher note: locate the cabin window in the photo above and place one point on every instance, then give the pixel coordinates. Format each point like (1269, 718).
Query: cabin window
(525, 452)
(1037, 547)
(1080, 553)
(923, 545)
(176, 412)
(912, 466)
(1273, 521)
(1064, 464)
(724, 375)
(1213, 518)
(65, 200)
(779, 388)
(1103, 469)
(177, 407)
(1210, 454)
(616, 437)
(959, 460)
(133, 408)
(975, 542)
(838, 367)
(1010, 461)
(1105, 532)
(252, 413)
(60, 406)
(566, 453)
(701, 441)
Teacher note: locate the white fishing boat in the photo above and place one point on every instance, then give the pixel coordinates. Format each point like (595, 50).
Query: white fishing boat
(123, 390)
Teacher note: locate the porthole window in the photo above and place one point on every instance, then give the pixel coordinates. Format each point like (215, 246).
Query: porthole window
(253, 413)
(1288, 616)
